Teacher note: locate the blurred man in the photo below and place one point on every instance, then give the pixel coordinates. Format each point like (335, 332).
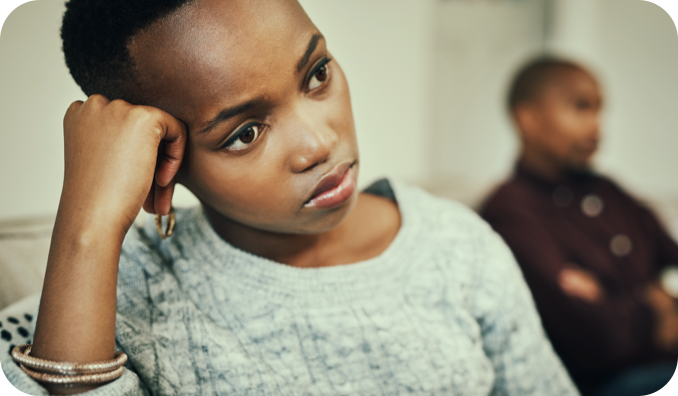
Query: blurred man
(590, 253)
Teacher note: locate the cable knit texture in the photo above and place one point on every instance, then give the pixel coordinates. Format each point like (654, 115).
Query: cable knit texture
(443, 311)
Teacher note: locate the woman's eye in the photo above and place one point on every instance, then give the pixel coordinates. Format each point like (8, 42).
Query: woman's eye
(244, 138)
(318, 78)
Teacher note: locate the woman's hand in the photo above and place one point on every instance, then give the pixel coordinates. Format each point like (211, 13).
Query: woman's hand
(118, 158)
(113, 150)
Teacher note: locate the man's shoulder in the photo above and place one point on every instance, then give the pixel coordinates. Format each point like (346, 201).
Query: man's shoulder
(612, 185)
(512, 194)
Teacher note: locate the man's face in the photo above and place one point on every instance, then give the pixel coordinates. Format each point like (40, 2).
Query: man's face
(268, 110)
(565, 120)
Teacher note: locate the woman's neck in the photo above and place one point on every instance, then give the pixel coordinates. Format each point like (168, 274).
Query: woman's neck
(365, 233)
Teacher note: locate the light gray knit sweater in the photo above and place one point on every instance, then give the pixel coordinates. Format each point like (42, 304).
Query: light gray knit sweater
(443, 311)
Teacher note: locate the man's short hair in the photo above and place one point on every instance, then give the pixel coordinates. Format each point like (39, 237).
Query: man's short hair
(95, 36)
(533, 77)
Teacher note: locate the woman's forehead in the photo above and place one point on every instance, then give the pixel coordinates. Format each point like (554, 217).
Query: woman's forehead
(212, 50)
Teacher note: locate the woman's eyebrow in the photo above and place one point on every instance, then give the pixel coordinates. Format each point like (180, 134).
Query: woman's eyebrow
(312, 45)
(230, 112)
(241, 108)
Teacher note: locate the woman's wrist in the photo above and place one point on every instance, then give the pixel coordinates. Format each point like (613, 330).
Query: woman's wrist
(85, 224)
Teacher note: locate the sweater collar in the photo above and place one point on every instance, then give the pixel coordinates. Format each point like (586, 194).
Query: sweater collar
(231, 271)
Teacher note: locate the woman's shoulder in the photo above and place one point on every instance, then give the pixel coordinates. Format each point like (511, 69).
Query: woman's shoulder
(447, 232)
(458, 241)
(437, 214)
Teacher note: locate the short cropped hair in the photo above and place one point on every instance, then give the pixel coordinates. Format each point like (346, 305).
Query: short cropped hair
(533, 77)
(95, 36)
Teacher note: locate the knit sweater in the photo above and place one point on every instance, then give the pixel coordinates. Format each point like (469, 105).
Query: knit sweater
(443, 311)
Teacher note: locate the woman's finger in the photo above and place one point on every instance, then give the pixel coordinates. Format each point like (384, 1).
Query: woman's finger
(149, 203)
(163, 198)
(72, 110)
(172, 149)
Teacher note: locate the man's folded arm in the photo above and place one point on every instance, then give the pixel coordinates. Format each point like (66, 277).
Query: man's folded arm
(611, 329)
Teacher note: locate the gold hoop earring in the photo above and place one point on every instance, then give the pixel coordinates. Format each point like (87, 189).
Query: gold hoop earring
(170, 224)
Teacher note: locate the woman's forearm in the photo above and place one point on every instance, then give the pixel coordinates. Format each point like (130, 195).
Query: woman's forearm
(76, 321)
(112, 166)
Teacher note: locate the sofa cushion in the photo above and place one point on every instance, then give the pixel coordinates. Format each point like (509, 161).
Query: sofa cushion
(16, 323)
(24, 246)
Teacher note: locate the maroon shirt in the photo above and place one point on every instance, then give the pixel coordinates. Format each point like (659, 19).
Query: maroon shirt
(589, 222)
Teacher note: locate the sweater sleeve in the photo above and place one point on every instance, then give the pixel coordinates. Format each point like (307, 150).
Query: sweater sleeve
(132, 298)
(127, 385)
(513, 338)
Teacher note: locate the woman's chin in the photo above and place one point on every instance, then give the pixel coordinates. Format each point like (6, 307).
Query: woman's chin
(324, 220)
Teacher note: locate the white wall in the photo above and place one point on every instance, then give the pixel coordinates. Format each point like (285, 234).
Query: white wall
(383, 45)
(479, 44)
(35, 90)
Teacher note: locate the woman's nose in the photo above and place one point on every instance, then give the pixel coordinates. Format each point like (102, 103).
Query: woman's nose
(315, 142)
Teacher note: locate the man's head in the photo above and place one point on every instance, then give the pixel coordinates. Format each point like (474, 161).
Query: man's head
(267, 109)
(556, 107)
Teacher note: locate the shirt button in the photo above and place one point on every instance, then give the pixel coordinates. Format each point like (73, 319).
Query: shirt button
(592, 205)
(620, 245)
(562, 196)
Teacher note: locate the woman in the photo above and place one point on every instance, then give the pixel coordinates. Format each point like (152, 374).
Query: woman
(286, 280)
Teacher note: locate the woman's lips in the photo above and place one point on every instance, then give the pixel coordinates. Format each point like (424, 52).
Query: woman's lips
(333, 189)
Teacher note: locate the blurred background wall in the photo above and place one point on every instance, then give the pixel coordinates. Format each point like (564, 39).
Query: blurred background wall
(428, 81)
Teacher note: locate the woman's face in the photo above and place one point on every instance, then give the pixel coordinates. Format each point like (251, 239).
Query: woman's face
(267, 108)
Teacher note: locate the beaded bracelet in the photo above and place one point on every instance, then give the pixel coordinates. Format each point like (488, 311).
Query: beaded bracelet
(68, 373)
